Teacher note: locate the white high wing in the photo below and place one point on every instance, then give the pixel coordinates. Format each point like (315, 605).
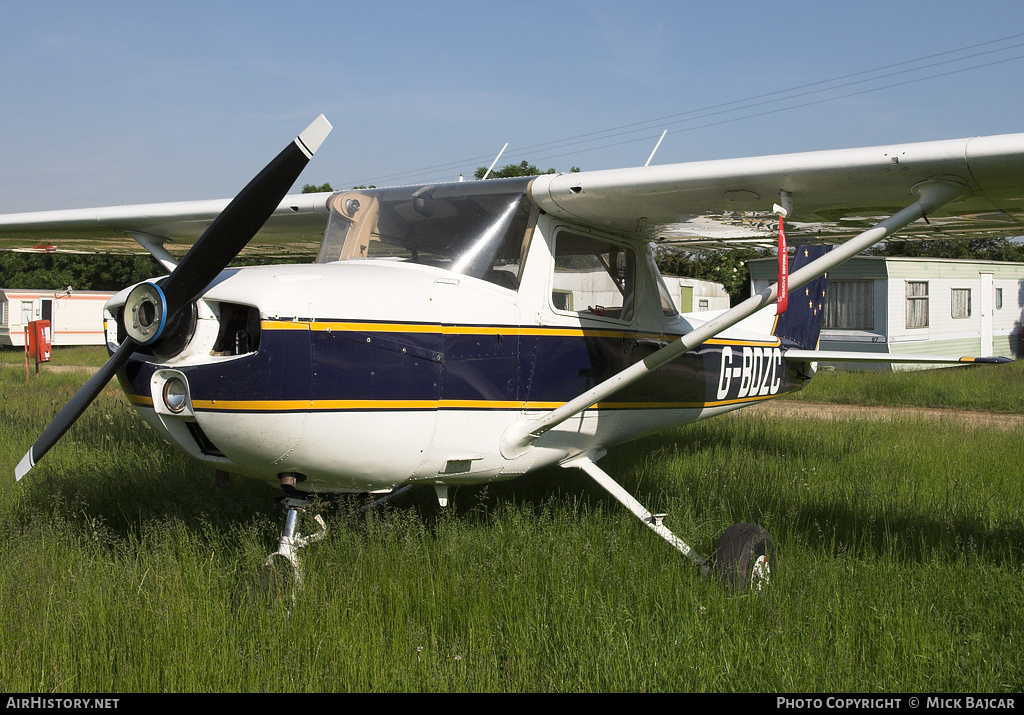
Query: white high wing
(466, 332)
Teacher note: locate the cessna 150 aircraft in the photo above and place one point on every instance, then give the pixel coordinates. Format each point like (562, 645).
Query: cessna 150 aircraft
(463, 332)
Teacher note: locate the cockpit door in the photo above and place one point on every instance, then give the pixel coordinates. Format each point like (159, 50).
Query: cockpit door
(588, 331)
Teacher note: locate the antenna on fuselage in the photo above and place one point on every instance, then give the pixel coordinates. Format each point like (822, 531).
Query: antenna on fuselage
(656, 148)
(495, 160)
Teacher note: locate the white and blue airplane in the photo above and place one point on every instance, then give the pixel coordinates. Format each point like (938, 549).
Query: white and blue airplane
(464, 332)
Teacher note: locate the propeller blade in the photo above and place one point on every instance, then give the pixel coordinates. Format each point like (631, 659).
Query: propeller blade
(224, 239)
(241, 220)
(74, 409)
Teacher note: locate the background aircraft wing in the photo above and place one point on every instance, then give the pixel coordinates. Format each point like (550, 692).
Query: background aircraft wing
(296, 227)
(850, 356)
(834, 194)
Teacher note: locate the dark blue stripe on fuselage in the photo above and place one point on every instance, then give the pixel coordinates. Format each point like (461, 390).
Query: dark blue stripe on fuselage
(493, 366)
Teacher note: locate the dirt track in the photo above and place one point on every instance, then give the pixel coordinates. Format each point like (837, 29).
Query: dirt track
(62, 368)
(829, 411)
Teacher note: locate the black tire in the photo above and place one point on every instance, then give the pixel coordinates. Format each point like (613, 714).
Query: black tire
(745, 558)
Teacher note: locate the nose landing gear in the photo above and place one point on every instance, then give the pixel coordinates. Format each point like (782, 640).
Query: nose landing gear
(291, 540)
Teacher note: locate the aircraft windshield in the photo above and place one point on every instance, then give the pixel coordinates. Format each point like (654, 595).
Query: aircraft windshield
(476, 228)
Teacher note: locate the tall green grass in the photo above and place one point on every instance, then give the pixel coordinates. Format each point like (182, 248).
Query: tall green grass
(65, 355)
(985, 388)
(124, 569)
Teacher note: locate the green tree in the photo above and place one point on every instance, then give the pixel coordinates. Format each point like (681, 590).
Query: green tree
(314, 189)
(81, 272)
(523, 168)
(985, 249)
(729, 267)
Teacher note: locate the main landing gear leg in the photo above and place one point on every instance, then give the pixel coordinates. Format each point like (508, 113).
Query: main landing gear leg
(744, 557)
(291, 540)
(651, 521)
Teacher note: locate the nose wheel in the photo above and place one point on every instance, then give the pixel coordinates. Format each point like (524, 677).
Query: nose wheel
(291, 540)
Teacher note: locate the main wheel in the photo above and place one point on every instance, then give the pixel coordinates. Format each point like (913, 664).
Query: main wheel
(745, 557)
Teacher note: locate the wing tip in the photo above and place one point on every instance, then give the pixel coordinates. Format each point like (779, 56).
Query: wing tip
(997, 360)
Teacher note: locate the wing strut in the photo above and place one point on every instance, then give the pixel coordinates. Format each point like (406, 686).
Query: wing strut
(932, 194)
(155, 246)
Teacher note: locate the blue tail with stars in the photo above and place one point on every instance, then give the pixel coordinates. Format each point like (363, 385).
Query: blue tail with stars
(800, 325)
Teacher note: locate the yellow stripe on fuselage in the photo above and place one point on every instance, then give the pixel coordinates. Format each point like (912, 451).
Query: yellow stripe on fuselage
(362, 327)
(385, 405)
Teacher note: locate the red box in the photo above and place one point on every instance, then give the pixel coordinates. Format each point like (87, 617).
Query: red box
(39, 340)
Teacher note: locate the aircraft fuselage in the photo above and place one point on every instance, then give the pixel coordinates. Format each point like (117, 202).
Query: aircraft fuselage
(364, 375)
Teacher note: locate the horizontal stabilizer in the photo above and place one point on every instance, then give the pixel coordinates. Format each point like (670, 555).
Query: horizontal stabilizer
(840, 356)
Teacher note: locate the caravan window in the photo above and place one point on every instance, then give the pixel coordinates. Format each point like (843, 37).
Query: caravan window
(850, 305)
(960, 306)
(917, 304)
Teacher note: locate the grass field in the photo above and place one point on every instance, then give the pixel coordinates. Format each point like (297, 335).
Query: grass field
(79, 355)
(986, 388)
(901, 545)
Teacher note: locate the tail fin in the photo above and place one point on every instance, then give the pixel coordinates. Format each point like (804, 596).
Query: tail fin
(800, 325)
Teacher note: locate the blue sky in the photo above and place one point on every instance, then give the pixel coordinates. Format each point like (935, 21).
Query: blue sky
(107, 103)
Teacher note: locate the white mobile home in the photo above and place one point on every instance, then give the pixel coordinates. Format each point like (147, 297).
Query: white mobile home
(692, 295)
(918, 305)
(689, 295)
(76, 317)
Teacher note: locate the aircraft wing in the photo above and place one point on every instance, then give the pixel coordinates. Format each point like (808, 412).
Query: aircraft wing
(830, 195)
(297, 226)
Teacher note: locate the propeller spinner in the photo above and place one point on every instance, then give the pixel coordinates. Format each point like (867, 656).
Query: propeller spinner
(153, 306)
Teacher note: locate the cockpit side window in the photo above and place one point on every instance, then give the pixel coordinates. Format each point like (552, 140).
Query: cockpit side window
(593, 277)
(478, 228)
(668, 308)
